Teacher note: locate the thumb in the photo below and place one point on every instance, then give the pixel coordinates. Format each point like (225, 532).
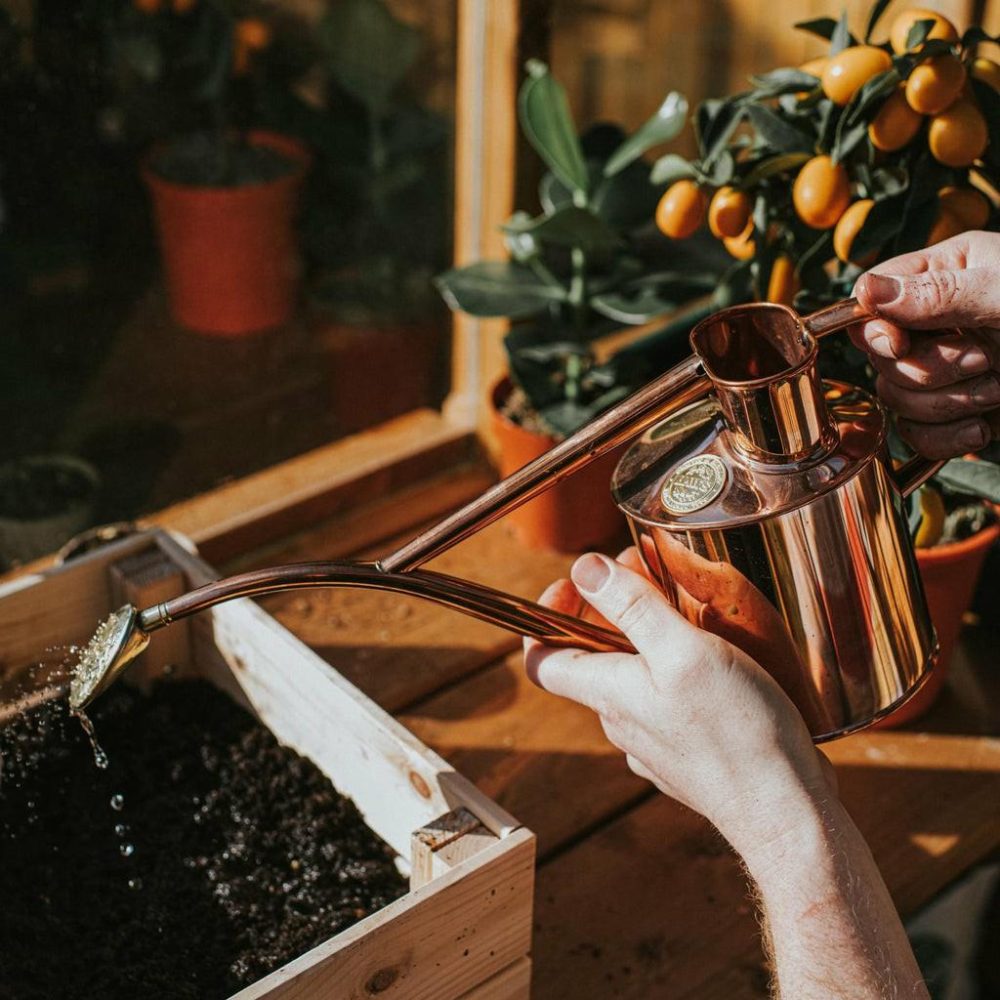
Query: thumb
(932, 299)
(631, 603)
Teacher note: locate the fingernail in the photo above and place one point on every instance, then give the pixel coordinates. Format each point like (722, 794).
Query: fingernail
(590, 573)
(882, 346)
(973, 361)
(986, 391)
(972, 437)
(883, 289)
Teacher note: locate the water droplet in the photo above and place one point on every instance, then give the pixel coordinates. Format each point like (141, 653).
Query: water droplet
(126, 850)
(117, 802)
(135, 883)
(100, 757)
(121, 829)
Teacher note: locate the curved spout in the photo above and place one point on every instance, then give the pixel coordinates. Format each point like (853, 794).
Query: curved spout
(126, 635)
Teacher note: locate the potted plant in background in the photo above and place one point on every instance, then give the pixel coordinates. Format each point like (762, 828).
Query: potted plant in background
(44, 500)
(577, 273)
(376, 216)
(818, 172)
(190, 73)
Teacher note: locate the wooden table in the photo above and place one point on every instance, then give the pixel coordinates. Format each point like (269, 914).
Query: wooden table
(636, 896)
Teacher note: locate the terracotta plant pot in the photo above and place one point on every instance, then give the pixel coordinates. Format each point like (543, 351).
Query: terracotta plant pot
(230, 253)
(576, 514)
(950, 574)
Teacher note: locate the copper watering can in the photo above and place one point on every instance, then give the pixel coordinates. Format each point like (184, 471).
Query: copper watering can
(763, 504)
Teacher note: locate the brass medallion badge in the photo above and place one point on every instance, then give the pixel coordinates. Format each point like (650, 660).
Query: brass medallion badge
(693, 484)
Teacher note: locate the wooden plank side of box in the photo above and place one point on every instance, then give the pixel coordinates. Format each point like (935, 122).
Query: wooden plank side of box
(436, 943)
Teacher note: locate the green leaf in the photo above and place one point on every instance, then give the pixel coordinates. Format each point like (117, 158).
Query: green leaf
(824, 27)
(569, 226)
(875, 90)
(852, 129)
(722, 169)
(716, 121)
(888, 182)
(782, 81)
(497, 288)
(981, 479)
(918, 33)
(989, 103)
(878, 9)
(920, 207)
(627, 200)
(841, 37)
(779, 134)
(774, 165)
(670, 168)
(370, 50)
(883, 223)
(663, 126)
(546, 121)
(651, 296)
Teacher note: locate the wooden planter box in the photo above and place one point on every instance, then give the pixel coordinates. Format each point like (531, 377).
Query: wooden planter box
(464, 928)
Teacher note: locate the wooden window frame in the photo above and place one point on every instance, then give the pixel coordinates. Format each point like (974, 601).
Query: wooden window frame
(415, 467)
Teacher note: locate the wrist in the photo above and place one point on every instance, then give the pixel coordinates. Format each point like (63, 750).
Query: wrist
(790, 824)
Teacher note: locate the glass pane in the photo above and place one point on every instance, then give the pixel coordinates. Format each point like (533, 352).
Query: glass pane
(218, 224)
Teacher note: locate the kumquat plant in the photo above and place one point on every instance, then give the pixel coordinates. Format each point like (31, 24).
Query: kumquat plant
(878, 148)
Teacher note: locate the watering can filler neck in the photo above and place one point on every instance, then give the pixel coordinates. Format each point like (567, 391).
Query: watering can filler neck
(740, 431)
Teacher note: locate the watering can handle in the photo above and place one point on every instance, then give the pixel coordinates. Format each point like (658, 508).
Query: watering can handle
(917, 470)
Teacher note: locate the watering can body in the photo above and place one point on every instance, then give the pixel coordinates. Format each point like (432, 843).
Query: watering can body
(809, 569)
(769, 514)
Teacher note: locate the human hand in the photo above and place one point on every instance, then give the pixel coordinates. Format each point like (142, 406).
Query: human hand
(936, 342)
(693, 714)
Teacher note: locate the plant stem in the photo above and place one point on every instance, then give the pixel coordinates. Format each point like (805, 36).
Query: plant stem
(578, 290)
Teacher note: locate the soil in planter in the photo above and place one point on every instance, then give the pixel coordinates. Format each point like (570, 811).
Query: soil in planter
(203, 857)
(31, 491)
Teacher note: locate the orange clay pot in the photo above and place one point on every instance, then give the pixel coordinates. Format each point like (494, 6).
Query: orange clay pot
(950, 573)
(572, 516)
(230, 253)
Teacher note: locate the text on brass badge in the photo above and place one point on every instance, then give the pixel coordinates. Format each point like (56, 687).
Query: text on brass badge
(693, 484)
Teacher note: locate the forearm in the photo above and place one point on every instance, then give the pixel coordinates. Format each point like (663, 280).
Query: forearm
(832, 928)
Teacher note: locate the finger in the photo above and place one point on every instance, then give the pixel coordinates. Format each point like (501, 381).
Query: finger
(933, 298)
(587, 678)
(939, 360)
(560, 596)
(949, 255)
(630, 559)
(940, 406)
(945, 440)
(880, 338)
(631, 603)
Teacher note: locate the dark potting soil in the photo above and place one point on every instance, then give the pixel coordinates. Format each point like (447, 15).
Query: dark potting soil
(202, 858)
(210, 160)
(30, 490)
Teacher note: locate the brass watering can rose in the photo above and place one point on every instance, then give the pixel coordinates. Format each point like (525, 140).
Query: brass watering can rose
(762, 502)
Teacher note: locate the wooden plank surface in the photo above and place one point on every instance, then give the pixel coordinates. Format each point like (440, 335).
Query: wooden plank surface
(655, 904)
